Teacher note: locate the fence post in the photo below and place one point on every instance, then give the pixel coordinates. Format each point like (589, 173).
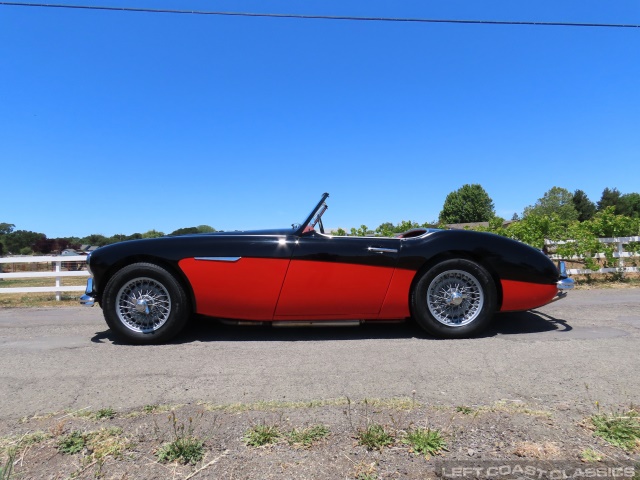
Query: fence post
(620, 251)
(58, 265)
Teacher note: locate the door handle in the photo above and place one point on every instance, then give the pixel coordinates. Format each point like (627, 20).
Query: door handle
(382, 250)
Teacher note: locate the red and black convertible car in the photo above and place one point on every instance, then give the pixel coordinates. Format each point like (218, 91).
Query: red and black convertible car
(451, 282)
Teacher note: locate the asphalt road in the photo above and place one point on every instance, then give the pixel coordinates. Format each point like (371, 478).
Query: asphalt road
(573, 352)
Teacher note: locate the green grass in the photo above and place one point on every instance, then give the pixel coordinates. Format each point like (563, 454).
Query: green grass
(424, 441)
(261, 435)
(72, 443)
(107, 413)
(590, 455)
(188, 449)
(620, 430)
(374, 437)
(307, 436)
(7, 468)
(464, 410)
(185, 447)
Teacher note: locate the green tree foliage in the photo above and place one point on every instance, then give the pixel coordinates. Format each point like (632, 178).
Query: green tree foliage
(629, 205)
(185, 231)
(96, 240)
(152, 234)
(205, 229)
(6, 228)
(610, 198)
(586, 208)
(470, 203)
(22, 241)
(557, 201)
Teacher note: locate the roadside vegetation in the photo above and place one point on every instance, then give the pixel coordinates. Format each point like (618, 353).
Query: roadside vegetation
(348, 439)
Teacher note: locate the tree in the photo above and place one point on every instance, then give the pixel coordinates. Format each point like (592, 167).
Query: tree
(586, 208)
(470, 203)
(610, 198)
(22, 241)
(152, 234)
(185, 231)
(6, 228)
(629, 205)
(557, 201)
(205, 229)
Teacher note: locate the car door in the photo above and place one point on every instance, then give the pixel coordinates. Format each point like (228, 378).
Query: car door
(337, 277)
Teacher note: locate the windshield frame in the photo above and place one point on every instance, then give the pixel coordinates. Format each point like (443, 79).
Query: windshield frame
(320, 208)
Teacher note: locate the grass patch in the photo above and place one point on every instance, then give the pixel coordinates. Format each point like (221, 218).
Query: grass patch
(620, 430)
(374, 437)
(72, 443)
(107, 413)
(7, 468)
(185, 447)
(464, 410)
(261, 435)
(307, 436)
(516, 407)
(107, 442)
(590, 455)
(185, 450)
(424, 441)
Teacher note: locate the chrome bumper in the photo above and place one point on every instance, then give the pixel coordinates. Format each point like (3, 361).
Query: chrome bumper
(564, 284)
(88, 299)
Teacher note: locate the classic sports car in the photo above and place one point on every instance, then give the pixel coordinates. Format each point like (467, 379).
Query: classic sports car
(451, 282)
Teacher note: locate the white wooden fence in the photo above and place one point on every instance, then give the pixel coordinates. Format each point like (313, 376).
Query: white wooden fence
(56, 273)
(619, 253)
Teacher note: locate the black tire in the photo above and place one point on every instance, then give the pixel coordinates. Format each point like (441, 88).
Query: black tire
(454, 299)
(145, 304)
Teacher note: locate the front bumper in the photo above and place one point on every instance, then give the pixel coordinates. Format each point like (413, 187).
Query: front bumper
(88, 299)
(564, 284)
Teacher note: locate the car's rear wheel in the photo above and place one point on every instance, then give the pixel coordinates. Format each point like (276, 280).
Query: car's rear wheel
(454, 299)
(144, 304)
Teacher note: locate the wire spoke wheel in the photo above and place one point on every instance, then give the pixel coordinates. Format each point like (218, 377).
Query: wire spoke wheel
(455, 298)
(143, 305)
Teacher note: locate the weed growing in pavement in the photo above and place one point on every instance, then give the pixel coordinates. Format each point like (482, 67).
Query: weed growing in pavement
(374, 437)
(425, 441)
(622, 430)
(261, 435)
(464, 410)
(307, 436)
(107, 413)
(185, 447)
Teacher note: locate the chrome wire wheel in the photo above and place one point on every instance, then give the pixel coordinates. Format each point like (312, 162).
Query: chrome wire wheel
(455, 298)
(143, 305)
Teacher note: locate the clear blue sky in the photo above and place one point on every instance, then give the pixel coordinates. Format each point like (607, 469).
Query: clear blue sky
(125, 122)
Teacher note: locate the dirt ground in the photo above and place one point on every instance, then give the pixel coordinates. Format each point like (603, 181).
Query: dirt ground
(126, 446)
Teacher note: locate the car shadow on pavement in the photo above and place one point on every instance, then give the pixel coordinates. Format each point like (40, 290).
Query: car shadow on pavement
(209, 330)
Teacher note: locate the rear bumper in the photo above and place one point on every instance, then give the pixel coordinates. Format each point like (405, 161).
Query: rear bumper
(88, 299)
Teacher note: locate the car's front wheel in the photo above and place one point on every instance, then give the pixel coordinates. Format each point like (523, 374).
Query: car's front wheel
(454, 299)
(144, 304)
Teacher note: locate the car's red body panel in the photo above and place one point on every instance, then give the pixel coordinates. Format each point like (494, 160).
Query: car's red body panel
(247, 288)
(518, 296)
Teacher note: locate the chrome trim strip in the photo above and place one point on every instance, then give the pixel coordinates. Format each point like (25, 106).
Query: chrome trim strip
(219, 259)
(382, 250)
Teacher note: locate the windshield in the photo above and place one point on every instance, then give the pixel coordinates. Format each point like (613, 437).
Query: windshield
(314, 217)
